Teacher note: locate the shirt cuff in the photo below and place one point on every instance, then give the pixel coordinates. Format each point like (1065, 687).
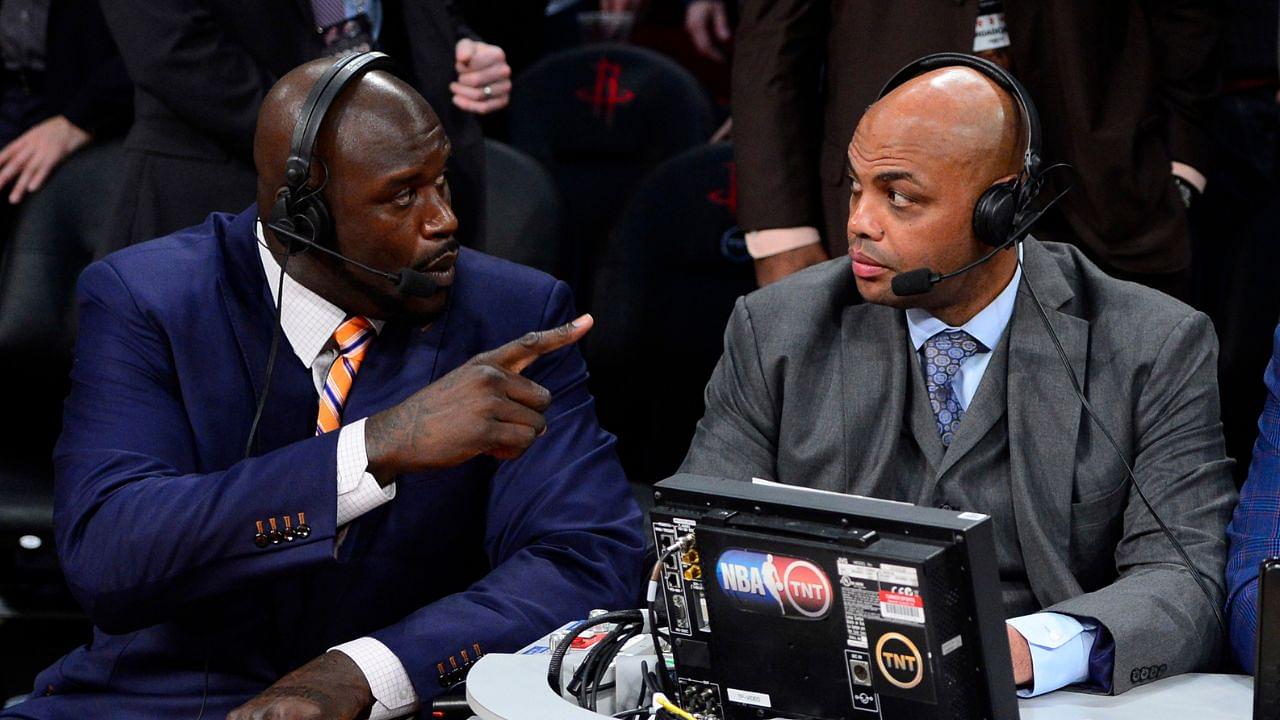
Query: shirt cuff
(393, 694)
(1191, 175)
(1060, 647)
(766, 243)
(358, 491)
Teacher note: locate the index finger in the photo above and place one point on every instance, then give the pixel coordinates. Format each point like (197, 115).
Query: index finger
(520, 353)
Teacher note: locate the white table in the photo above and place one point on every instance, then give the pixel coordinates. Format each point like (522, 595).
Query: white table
(514, 687)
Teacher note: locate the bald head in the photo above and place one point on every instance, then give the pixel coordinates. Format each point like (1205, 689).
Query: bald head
(368, 120)
(957, 114)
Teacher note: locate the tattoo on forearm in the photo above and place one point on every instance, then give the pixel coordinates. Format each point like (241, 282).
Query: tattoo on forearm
(297, 691)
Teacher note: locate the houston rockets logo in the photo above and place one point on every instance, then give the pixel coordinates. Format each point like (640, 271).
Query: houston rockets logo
(727, 196)
(608, 92)
(774, 584)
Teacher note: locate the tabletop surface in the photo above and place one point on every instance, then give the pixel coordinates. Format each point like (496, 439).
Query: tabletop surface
(514, 687)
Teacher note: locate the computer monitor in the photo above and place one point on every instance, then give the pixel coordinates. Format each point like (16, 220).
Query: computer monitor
(794, 603)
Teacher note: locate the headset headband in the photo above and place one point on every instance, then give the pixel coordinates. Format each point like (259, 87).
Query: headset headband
(1002, 77)
(297, 169)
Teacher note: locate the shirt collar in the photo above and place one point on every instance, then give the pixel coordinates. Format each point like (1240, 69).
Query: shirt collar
(309, 320)
(986, 327)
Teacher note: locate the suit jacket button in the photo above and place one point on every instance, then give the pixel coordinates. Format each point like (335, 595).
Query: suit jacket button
(303, 531)
(274, 537)
(945, 506)
(261, 540)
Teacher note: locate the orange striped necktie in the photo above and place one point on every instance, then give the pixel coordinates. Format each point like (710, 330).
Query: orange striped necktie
(353, 337)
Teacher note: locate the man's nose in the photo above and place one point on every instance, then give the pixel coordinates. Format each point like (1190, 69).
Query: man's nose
(862, 224)
(440, 222)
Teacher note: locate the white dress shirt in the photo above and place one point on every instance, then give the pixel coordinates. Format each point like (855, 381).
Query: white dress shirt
(309, 322)
(1060, 644)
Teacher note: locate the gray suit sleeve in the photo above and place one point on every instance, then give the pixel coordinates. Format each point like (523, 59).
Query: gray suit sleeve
(1160, 621)
(738, 433)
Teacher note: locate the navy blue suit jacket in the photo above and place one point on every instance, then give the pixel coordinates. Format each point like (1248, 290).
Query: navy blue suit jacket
(156, 511)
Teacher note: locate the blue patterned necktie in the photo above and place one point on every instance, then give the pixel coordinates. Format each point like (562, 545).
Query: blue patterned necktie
(942, 355)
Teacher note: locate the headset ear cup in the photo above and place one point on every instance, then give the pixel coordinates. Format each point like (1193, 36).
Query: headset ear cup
(315, 215)
(994, 213)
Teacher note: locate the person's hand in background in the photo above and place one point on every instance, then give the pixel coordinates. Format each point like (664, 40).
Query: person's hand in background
(484, 77)
(707, 23)
(34, 154)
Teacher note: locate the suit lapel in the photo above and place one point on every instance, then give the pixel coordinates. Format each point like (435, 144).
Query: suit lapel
(873, 383)
(1044, 423)
(291, 408)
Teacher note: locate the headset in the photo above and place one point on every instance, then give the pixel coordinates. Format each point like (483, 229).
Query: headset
(1005, 203)
(300, 208)
(1002, 217)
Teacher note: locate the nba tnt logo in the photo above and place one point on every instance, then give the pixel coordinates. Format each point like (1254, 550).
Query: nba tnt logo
(608, 93)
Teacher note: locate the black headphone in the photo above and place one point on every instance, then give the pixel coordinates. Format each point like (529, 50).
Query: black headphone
(1000, 208)
(299, 208)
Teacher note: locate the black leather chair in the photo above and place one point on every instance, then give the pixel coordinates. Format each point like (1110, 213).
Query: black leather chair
(664, 288)
(523, 209)
(58, 231)
(599, 117)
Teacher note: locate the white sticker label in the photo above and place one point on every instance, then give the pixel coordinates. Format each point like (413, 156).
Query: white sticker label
(952, 645)
(971, 516)
(856, 570)
(990, 33)
(898, 575)
(746, 697)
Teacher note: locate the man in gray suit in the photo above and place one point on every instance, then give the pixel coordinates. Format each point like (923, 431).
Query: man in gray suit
(957, 398)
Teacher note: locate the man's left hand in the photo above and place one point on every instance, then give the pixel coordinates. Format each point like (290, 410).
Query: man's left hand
(35, 153)
(331, 687)
(484, 77)
(1020, 651)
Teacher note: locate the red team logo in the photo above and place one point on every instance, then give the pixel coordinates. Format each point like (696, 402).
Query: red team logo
(608, 92)
(774, 584)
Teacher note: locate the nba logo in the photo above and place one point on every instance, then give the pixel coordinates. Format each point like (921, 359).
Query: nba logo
(774, 584)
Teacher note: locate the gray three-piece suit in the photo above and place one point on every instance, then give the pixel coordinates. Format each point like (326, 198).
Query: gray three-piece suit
(815, 389)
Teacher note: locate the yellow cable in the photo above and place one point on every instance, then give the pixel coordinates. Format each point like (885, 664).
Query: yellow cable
(671, 707)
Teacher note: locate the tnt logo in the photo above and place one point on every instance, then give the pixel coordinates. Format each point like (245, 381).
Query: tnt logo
(899, 660)
(608, 93)
(774, 584)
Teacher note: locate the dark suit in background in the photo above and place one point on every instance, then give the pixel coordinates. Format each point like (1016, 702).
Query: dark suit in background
(1120, 88)
(202, 68)
(817, 389)
(84, 76)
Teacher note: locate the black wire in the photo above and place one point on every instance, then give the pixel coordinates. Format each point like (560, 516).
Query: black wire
(271, 360)
(632, 713)
(664, 680)
(1133, 478)
(204, 697)
(557, 656)
(607, 656)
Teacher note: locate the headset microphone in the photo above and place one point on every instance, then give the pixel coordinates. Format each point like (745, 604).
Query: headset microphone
(408, 281)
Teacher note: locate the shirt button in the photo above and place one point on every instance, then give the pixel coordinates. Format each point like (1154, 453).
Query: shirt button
(945, 506)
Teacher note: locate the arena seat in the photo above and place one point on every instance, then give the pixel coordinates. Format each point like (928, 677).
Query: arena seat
(599, 117)
(523, 209)
(664, 287)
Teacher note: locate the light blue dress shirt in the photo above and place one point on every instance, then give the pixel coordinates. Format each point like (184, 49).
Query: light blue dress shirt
(1060, 644)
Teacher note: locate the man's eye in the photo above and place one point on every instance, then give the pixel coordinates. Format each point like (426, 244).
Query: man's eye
(441, 182)
(855, 186)
(405, 197)
(897, 199)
